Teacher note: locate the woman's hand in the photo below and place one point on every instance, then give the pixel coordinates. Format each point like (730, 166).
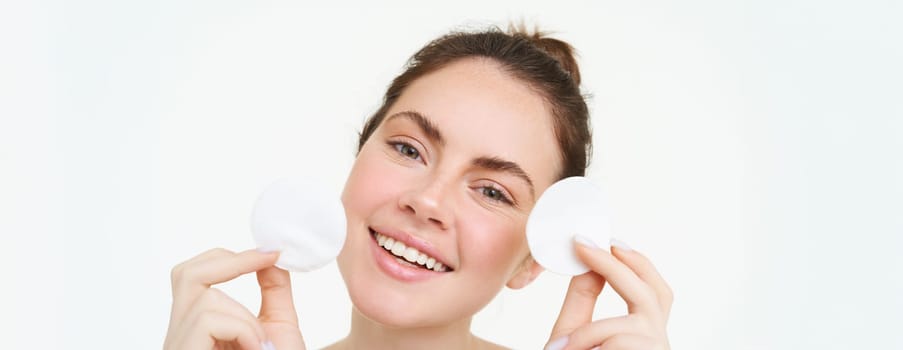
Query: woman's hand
(205, 318)
(635, 279)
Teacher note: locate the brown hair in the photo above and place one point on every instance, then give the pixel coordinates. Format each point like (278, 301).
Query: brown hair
(544, 63)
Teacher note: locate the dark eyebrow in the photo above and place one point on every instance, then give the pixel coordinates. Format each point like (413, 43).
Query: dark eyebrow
(498, 164)
(423, 122)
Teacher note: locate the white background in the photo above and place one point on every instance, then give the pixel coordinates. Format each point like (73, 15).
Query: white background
(751, 149)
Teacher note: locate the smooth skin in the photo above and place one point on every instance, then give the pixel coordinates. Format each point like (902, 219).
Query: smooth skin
(439, 189)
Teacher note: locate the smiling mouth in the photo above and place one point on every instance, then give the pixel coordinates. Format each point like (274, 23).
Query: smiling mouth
(408, 255)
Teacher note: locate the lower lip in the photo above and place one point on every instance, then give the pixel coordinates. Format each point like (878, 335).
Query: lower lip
(389, 264)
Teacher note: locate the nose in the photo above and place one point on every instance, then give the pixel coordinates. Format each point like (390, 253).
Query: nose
(429, 203)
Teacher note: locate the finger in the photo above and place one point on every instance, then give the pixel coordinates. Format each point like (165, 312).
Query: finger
(578, 305)
(629, 342)
(595, 333)
(190, 280)
(215, 300)
(639, 296)
(177, 271)
(212, 326)
(276, 294)
(277, 310)
(219, 269)
(644, 268)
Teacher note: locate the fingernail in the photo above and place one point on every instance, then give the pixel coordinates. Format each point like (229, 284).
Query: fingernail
(621, 245)
(585, 241)
(267, 345)
(559, 343)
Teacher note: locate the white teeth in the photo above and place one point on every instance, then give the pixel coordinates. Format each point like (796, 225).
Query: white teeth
(410, 254)
(398, 249)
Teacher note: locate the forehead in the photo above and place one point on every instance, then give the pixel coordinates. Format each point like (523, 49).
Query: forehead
(483, 111)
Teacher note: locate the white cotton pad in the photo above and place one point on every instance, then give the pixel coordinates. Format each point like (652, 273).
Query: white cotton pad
(302, 220)
(569, 207)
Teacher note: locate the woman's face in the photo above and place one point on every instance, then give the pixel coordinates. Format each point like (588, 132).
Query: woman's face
(452, 173)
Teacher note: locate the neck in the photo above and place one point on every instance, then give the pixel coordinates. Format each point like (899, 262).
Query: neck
(367, 334)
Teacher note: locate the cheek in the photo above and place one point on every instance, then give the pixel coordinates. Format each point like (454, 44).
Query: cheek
(493, 244)
(372, 182)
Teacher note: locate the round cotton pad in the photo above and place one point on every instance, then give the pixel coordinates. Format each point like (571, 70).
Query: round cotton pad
(569, 207)
(302, 220)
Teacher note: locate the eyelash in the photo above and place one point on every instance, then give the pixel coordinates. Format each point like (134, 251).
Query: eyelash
(400, 146)
(502, 197)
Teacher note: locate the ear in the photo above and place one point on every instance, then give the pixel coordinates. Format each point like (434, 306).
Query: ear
(526, 273)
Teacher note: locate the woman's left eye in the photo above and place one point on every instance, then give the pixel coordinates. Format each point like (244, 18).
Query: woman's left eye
(495, 194)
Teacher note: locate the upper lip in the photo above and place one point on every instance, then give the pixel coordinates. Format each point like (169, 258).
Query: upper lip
(411, 241)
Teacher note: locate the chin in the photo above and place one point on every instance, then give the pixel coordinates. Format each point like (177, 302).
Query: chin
(423, 306)
(389, 305)
(397, 314)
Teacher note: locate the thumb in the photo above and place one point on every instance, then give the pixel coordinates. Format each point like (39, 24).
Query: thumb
(277, 310)
(577, 309)
(276, 294)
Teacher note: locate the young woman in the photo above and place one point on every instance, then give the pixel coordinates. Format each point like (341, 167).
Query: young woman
(448, 169)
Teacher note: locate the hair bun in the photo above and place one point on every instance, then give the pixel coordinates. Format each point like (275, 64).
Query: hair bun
(561, 51)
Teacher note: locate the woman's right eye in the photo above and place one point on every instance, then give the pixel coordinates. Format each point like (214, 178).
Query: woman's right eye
(406, 150)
